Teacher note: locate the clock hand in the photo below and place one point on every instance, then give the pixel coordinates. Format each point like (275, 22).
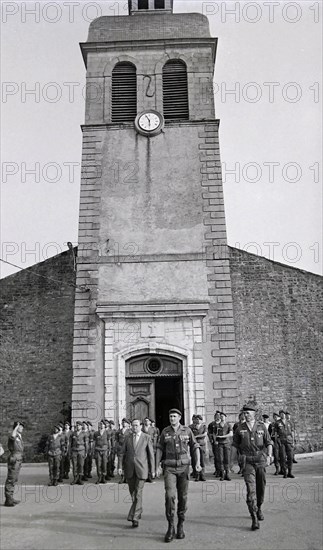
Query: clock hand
(147, 117)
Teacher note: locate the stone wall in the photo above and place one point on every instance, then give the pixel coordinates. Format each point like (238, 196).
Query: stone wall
(278, 321)
(36, 316)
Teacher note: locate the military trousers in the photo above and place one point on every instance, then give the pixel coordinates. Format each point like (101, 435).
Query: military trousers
(176, 481)
(285, 455)
(78, 463)
(276, 454)
(14, 465)
(216, 457)
(65, 466)
(255, 479)
(88, 463)
(101, 463)
(54, 463)
(136, 486)
(224, 452)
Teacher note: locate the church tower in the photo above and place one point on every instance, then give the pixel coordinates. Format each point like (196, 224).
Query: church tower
(153, 322)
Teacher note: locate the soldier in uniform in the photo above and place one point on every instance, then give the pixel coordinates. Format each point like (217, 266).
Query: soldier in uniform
(283, 429)
(66, 454)
(212, 431)
(224, 433)
(120, 437)
(254, 443)
(79, 444)
(54, 450)
(89, 457)
(173, 447)
(112, 456)
(101, 444)
(239, 456)
(16, 449)
(274, 439)
(155, 437)
(288, 418)
(200, 433)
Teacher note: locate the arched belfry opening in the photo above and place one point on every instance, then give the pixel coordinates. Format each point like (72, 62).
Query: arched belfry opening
(154, 384)
(149, 6)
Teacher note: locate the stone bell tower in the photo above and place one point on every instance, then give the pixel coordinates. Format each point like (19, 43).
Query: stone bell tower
(154, 322)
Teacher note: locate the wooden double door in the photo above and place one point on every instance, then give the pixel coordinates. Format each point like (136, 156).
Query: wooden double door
(154, 385)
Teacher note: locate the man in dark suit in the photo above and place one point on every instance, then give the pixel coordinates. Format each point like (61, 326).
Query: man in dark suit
(137, 458)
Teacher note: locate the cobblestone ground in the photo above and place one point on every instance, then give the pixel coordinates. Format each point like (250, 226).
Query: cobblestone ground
(94, 516)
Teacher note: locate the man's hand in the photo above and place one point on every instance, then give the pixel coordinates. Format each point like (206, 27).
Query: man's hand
(198, 468)
(159, 471)
(120, 472)
(153, 475)
(269, 460)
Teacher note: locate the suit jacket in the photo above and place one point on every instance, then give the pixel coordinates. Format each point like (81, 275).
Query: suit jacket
(137, 461)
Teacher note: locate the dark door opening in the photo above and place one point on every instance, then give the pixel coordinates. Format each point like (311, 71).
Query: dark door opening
(168, 395)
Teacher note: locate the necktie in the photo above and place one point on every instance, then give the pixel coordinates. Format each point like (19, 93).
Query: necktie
(135, 440)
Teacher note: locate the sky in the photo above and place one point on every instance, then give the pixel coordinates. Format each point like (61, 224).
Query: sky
(268, 96)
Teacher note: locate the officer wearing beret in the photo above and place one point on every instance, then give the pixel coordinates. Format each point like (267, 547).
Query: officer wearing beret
(254, 443)
(284, 431)
(16, 449)
(173, 447)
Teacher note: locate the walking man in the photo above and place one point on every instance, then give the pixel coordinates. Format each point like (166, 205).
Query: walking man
(137, 459)
(252, 439)
(173, 447)
(16, 449)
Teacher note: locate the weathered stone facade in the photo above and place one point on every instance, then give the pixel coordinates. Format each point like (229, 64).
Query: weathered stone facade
(36, 316)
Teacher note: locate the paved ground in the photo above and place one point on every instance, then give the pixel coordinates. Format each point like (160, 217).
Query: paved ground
(94, 517)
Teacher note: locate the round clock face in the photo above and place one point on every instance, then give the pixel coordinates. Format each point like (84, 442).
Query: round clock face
(149, 123)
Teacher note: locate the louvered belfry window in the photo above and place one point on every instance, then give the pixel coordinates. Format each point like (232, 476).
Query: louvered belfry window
(124, 93)
(175, 90)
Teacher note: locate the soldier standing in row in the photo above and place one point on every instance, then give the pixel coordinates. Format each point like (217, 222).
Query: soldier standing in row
(173, 447)
(120, 437)
(54, 450)
(252, 439)
(16, 449)
(224, 433)
(288, 418)
(112, 455)
(283, 429)
(66, 454)
(79, 445)
(239, 456)
(200, 433)
(212, 432)
(101, 444)
(274, 438)
(88, 462)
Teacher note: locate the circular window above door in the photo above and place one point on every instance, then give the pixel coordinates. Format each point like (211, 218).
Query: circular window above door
(154, 366)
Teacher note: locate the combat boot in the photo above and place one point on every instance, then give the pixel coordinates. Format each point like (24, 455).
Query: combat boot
(197, 476)
(226, 476)
(9, 502)
(202, 475)
(170, 532)
(221, 476)
(180, 529)
(255, 523)
(290, 473)
(260, 515)
(15, 501)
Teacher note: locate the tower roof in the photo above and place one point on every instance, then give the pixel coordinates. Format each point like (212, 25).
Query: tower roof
(157, 26)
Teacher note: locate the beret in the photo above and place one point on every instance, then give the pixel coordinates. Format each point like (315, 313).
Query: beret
(198, 416)
(221, 412)
(265, 416)
(286, 412)
(282, 411)
(249, 407)
(175, 411)
(79, 422)
(111, 421)
(18, 421)
(275, 414)
(125, 420)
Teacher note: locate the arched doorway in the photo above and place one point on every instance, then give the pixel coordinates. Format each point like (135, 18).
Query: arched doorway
(154, 384)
